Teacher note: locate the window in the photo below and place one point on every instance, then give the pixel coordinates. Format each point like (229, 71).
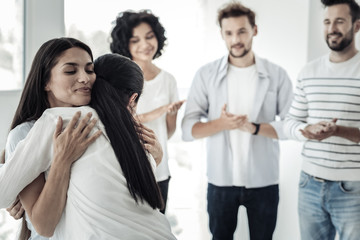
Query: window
(11, 44)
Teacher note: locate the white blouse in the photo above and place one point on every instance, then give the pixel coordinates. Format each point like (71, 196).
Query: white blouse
(99, 205)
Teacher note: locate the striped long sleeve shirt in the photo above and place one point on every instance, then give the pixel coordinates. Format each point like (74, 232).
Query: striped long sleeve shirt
(325, 91)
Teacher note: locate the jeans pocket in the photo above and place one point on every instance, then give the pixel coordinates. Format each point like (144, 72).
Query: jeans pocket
(352, 187)
(304, 179)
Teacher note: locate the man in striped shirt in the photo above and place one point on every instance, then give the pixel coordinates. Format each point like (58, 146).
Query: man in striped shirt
(325, 114)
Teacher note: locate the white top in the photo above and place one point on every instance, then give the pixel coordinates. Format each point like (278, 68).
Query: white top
(99, 205)
(241, 90)
(14, 137)
(157, 92)
(324, 91)
(209, 93)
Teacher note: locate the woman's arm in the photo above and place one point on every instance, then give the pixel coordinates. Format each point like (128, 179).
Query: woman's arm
(152, 115)
(171, 115)
(44, 201)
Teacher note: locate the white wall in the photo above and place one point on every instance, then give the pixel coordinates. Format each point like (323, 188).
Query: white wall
(290, 34)
(43, 20)
(8, 104)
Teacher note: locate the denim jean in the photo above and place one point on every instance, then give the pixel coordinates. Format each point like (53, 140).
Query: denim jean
(164, 189)
(326, 207)
(261, 207)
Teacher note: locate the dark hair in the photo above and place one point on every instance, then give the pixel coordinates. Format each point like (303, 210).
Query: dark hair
(354, 7)
(236, 9)
(123, 31)
(117, 79)
(34, 101)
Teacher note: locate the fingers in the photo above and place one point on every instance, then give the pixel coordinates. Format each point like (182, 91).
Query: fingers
(147, 131)
(148, 139)
(179, 104)
(82, 128)
(58, 128)
(74, 120)
(83, 123)
(87, 128)
(93, 137)
(145, 128)
(148, 147)
(20, 213)
(223, 109)
(17, 200)
(16, 210)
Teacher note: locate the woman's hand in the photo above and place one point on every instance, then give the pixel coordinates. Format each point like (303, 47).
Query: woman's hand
(152, 144)
(174, 107)
(43, 201)
(2, 157)
(71, 143)
(16, 210)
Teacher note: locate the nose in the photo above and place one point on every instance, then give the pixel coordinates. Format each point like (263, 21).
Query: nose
(332, 28)
(84, 78)
(235, 39)
(144, 43)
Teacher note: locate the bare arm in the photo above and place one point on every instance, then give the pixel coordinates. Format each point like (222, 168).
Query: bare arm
(16, 210)
(154, 114)
(44, 201)
(171, 115)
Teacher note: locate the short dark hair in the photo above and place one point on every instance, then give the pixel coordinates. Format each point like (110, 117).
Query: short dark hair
(33, 100)
(123, 31)
(353, 5)
(236, 9)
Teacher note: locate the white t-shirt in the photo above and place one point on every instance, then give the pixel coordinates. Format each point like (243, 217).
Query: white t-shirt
(157, 92)
(241, 91)
(99, 205)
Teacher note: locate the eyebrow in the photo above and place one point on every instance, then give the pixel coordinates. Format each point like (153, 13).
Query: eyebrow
(338, 18)
(151, 31)
(76, 64)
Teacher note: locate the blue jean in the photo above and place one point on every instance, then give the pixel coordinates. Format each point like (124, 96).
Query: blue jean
(326, 207)
(260, 203)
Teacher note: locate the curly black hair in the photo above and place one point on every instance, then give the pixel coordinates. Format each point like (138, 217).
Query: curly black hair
(123, 30)
(353, 5)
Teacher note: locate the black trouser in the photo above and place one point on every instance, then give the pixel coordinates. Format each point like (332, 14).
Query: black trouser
(164, 189)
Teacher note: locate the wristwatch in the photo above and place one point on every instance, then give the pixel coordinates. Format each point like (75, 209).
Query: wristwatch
(257, 128)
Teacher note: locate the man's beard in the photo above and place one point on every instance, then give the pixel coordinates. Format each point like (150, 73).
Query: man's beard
(246, 51)
(345, 42)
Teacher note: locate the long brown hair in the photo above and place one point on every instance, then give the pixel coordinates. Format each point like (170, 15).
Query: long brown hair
(33, 100)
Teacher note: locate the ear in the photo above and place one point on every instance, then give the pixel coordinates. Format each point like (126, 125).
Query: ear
(357, 26)
(47, 88)
(132, 104)
(132, 99)
(255, 29)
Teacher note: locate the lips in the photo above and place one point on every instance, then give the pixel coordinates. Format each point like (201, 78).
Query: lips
(84, 90)
(237, 46)
(334, 35)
